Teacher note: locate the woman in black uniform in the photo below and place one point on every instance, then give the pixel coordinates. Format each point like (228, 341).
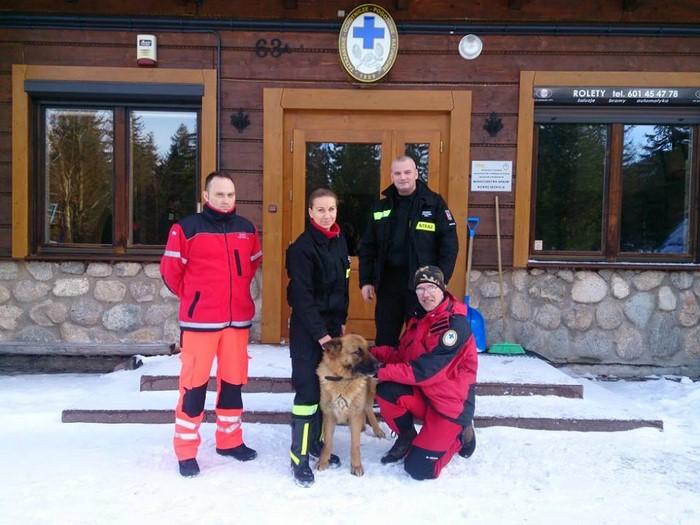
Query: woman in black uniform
(318, 268)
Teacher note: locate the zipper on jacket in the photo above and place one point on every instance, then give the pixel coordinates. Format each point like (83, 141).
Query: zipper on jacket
(238, 262)
(190, 312)
(230, 276)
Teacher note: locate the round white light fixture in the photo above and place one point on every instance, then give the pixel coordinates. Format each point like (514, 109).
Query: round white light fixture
(470, 47)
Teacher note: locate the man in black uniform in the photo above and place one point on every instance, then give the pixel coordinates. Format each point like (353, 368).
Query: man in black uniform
(409, 228)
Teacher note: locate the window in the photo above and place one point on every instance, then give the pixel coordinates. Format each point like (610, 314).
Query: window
(615, 186)
(112, 178)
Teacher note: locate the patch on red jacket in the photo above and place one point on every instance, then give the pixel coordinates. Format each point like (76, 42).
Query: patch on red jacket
(450, 338)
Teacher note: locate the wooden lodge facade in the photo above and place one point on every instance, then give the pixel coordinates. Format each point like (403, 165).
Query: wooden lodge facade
(582, 118)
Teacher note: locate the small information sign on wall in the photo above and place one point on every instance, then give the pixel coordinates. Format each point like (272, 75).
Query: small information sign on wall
(492, 175)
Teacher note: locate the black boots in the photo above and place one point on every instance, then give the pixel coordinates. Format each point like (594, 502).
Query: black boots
(468, 439)
(241, 452)
(315, 436)
(299, 452)
(188, 467)
(400, 448)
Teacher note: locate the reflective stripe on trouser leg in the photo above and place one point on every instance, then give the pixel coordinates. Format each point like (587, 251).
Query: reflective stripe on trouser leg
(231, 374)
(196, 357)
(228, 428)
(304, 448)
(302, 416)
(433, 448)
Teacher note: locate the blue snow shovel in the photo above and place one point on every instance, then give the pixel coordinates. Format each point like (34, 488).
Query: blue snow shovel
(476, 320)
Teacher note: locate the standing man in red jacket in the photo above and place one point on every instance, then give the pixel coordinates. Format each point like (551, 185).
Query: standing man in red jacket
(430, 376)
(209, 261)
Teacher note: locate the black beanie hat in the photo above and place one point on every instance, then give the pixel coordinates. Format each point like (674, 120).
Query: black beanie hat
(429, 274)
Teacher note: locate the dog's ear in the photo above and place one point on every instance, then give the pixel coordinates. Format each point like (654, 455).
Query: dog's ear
(334, 345)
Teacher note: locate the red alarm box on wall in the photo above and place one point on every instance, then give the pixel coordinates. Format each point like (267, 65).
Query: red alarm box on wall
(146, 50)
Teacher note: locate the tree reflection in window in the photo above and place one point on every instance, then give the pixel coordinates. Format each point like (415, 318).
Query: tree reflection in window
(656, 189)
(83, 148)
(570, 181)
(163, 172)
(420, 153)
(79, 166)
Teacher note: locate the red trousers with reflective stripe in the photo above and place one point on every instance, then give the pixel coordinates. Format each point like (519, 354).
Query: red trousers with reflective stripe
(438, 434)
(197, 352)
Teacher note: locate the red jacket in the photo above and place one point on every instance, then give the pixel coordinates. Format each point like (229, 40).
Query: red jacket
(209, 261)
(437, 354)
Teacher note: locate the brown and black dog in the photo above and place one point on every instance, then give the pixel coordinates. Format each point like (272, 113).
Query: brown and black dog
(347, 394)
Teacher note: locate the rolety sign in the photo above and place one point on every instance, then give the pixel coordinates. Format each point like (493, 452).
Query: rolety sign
(617, 96)
(368, 43)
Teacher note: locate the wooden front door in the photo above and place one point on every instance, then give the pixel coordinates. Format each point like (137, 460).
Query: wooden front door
(351, 153)
(346, 139)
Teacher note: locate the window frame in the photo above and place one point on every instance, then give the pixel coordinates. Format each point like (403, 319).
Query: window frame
(529, 80)
(611, 224)
(22, 120)
(122, 196)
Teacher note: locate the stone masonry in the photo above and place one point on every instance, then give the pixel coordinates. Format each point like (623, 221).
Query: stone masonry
(596, 317)
(644, 318)
(75, 302)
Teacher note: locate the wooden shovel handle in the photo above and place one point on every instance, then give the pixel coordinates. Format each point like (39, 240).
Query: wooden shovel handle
(500, 266)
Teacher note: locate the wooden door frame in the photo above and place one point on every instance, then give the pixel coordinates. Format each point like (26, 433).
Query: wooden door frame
(457, 104)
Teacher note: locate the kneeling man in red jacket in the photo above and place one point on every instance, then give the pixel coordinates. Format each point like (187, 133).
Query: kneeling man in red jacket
(430, 376)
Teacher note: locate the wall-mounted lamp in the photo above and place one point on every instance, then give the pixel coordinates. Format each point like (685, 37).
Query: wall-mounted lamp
(470, 47)
(493, 124)
(240, 121)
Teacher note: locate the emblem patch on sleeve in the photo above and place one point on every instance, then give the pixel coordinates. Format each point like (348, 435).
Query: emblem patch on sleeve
(450, 338)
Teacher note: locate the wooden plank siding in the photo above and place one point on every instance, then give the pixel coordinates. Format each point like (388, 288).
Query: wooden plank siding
(500, 11)
(424, 62)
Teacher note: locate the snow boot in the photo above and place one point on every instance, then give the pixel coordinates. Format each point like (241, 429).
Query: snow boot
(468, 439)
(188, 468)
(401, 446)
(241, 452)
(316, 445)
(299, 452)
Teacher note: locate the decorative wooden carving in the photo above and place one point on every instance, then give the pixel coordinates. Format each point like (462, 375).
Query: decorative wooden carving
(493, 124)
(240, 121)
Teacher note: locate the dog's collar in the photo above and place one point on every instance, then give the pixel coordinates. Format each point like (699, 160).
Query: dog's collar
(336, 378)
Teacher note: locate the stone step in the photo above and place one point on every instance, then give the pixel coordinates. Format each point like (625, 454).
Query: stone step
(155, 383)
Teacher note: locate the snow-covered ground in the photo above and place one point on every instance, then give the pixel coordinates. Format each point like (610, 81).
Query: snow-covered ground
(56, 473)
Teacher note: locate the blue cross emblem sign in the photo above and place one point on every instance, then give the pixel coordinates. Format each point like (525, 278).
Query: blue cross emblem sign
(368, 32)
(368, 43)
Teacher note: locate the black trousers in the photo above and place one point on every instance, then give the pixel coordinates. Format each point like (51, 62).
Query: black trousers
(306, 355)
(395, 304)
